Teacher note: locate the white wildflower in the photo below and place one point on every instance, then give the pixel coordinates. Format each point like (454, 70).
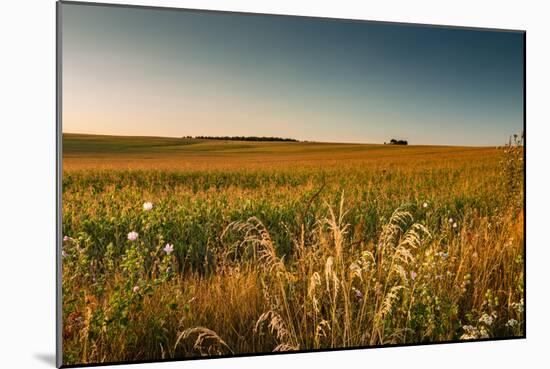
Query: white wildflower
(512, 323)
(470, 333)
(486, 319)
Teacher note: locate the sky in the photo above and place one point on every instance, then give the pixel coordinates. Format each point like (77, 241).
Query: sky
(154, 72)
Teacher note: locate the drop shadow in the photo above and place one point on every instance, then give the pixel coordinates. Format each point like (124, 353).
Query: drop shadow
(46, 358)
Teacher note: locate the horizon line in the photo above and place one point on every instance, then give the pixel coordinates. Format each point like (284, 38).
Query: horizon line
(298, 140)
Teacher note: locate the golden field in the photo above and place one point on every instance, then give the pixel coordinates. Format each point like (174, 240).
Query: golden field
(182, 247)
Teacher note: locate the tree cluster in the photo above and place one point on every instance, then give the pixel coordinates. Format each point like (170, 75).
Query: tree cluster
(393, 141)
(242, 138)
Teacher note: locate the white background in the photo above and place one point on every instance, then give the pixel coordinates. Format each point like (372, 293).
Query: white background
(27, 182)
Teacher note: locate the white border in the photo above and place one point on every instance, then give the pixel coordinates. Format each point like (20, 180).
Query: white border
(27, 185)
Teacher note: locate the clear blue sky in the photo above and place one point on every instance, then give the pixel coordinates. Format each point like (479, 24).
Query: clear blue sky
(135, 71)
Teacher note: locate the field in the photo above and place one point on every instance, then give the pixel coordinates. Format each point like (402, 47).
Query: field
(182, 247)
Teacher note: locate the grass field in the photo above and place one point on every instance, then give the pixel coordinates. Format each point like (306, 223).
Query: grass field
(182, 247)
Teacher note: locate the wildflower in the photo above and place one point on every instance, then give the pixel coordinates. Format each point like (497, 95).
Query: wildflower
(512, 323)
(518, 306)
(451, 220)
(168, 249)
(66, 238)
(135, 289)
(147, 206)
(425, 205)
(132, 236)
(413, 275)
(455, 225)
(483, 333)
(470, 332)
(486, 319)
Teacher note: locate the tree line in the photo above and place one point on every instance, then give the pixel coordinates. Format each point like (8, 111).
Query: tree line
(241, 138)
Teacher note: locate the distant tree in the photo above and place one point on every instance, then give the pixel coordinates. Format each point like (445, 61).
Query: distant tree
(246, 138)
(393, 141)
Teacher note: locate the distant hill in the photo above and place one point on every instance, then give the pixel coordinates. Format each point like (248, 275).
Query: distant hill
(243, 138)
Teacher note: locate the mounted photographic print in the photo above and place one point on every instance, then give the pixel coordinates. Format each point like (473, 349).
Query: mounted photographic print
(235, 184)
